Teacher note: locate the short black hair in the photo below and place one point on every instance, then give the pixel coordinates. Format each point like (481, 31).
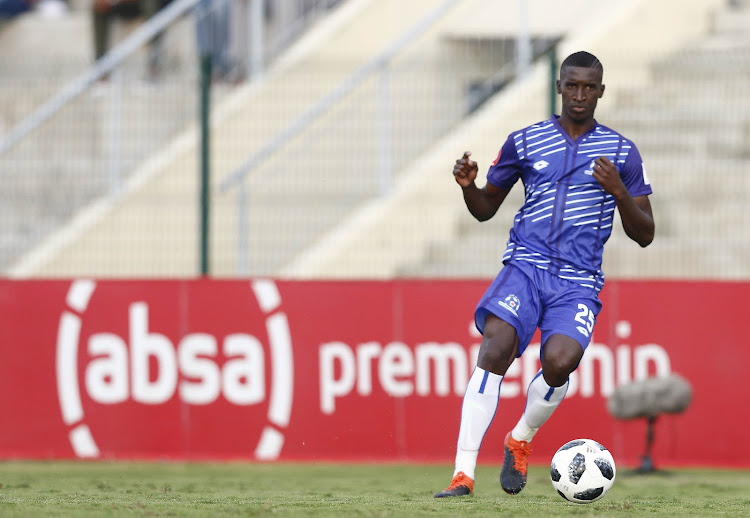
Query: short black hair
(582, 59)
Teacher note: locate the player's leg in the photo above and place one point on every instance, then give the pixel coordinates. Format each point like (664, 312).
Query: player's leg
(560, 356)
(497, 351)
(566, 327)
(507, 325)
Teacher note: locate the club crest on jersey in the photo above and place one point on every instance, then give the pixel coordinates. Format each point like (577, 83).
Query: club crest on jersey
(511, 303)
(540, 165)
(497, 158)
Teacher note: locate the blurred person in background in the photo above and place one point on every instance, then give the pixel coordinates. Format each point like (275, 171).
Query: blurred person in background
(9, 9)
(212, 35)
(575, 172)
(105, 12)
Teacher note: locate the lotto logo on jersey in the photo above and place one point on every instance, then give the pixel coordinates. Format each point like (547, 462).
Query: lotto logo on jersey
(590, 170)
(142, 363)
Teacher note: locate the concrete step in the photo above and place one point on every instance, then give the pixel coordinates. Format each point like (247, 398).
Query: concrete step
(686, 142)
(695, 179)
(687, 256)
(712, 105)
(731, 61)
(703, 93)
(725, 218)
(32, 45)
(732, 21)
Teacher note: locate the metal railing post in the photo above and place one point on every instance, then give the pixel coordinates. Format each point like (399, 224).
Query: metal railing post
(552, 57)
(205, 110)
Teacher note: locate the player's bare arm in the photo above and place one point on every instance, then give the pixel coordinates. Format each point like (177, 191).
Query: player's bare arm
(635, 213)
(482, 203)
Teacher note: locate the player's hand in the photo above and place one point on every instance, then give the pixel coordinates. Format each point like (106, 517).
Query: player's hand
(608, 176)
(465, 170)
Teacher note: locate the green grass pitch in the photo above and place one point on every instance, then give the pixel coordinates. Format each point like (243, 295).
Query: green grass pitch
(82, 489)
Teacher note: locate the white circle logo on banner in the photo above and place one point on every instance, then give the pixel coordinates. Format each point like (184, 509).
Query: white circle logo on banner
(282, 369)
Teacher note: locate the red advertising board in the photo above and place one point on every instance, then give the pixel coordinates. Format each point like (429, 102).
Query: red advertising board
(266, 369)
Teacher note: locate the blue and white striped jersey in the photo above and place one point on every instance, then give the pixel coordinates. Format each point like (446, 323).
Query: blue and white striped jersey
(567, 216)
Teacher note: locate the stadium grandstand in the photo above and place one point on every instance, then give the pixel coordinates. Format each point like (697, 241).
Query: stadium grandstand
(329, 146)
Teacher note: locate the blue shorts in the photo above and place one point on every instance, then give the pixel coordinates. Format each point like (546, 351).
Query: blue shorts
(528, 297)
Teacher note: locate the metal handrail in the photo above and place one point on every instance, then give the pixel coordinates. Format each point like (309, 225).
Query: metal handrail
(105, 65)
(344, 88)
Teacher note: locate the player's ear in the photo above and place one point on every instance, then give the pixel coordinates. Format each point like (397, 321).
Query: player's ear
(559, 90)
(601, 94)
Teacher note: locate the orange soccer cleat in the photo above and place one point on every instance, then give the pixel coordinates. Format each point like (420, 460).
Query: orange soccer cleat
(461, 485)
(513, 474)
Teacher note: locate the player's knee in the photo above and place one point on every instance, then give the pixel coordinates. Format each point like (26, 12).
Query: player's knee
(555, 377)
(495, 360)
(499, 346)
(559, 360)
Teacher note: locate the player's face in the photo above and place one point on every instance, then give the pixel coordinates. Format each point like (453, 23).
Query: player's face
(580, 89)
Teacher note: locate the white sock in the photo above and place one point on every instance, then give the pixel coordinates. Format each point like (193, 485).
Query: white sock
(477, 412)
(541, 401)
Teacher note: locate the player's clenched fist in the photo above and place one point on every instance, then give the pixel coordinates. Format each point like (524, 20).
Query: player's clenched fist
(608, 177)
(465, 170)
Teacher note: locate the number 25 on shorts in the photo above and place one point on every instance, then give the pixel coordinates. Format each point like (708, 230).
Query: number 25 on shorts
(586, 317)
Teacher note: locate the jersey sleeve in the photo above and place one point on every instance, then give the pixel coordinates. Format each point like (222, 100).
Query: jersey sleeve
(633, 174)
(506, 169)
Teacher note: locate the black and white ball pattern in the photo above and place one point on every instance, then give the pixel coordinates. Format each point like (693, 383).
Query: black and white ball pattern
(582, 471)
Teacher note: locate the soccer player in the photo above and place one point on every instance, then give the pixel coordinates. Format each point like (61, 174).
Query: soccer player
(575, 171)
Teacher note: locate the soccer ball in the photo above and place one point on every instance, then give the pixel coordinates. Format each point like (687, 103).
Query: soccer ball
(582, 471)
